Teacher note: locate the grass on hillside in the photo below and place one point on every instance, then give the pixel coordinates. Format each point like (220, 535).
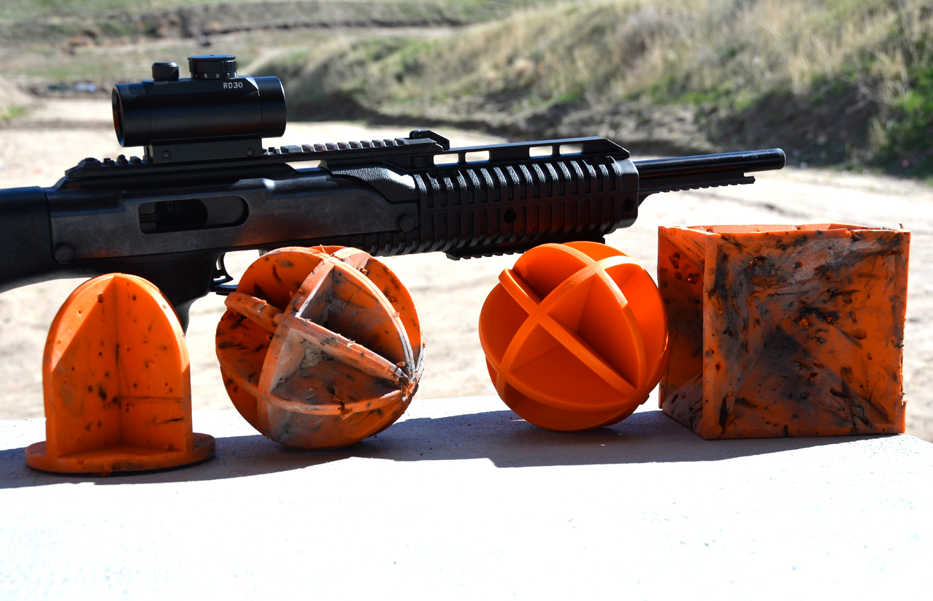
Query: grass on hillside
(66, 41)
(842, 80)
(16, 10)
(62, 41)
(464, 11)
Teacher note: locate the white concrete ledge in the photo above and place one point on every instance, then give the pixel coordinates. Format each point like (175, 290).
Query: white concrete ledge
(461, 499)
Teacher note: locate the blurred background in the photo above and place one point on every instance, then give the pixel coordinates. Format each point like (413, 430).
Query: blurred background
(844, 86)
(834, 82)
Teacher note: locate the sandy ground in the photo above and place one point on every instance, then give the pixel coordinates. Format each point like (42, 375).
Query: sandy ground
(448, 294)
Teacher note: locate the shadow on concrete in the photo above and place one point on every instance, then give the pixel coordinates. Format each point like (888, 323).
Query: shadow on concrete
(500, 436)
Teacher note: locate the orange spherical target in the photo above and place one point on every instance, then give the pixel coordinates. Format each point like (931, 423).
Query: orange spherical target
(575, 335)
(319, 347)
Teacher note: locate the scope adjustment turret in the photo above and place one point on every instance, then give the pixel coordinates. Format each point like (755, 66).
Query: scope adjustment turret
(212, 66)
(165, 71)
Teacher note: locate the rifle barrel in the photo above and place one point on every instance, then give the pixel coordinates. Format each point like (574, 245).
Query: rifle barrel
(705, 170)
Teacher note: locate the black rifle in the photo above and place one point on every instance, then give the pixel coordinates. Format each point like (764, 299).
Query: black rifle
(206, 186)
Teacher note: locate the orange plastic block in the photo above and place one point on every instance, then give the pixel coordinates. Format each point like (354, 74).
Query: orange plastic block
(784, 330)
(117, 383)
(320, 347)
(574, 335)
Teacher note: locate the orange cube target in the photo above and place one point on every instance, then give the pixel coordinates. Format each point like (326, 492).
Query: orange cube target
(117, 383)
(319, 347)
(784, 330)
(574, 335)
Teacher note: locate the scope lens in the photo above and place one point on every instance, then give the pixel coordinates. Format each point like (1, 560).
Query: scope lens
(117, 115)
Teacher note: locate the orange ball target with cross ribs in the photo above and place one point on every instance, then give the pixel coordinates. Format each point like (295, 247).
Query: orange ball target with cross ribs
(575, 335)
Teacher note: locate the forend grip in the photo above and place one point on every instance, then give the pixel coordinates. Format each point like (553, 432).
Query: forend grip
(27, 242)
(513, 201)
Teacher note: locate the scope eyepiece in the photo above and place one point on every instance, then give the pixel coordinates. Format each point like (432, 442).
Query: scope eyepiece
(214, 104)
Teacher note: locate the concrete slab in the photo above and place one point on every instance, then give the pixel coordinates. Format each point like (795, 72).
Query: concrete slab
(462, 499)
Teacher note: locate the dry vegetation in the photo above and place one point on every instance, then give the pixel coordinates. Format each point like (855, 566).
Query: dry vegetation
(841, 82)
(64, 47)
(834, 81)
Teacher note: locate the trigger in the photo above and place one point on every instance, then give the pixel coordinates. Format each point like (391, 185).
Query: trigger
(220, 281)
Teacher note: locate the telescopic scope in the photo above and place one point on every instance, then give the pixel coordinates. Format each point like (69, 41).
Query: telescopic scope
(213, 104)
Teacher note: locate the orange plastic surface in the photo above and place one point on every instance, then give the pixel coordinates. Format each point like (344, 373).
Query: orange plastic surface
(784, 330)
(320, 347)
(575, 335)
(117, 384)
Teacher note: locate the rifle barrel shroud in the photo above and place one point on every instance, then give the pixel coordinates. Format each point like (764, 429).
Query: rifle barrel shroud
(172, 222)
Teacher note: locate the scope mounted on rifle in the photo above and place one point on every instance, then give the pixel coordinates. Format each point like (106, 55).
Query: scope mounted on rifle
(206, 186)
(214, 114)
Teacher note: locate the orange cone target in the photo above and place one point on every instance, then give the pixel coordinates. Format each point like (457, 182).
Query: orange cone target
(117, 383)
(319, 347)
(575, 335)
